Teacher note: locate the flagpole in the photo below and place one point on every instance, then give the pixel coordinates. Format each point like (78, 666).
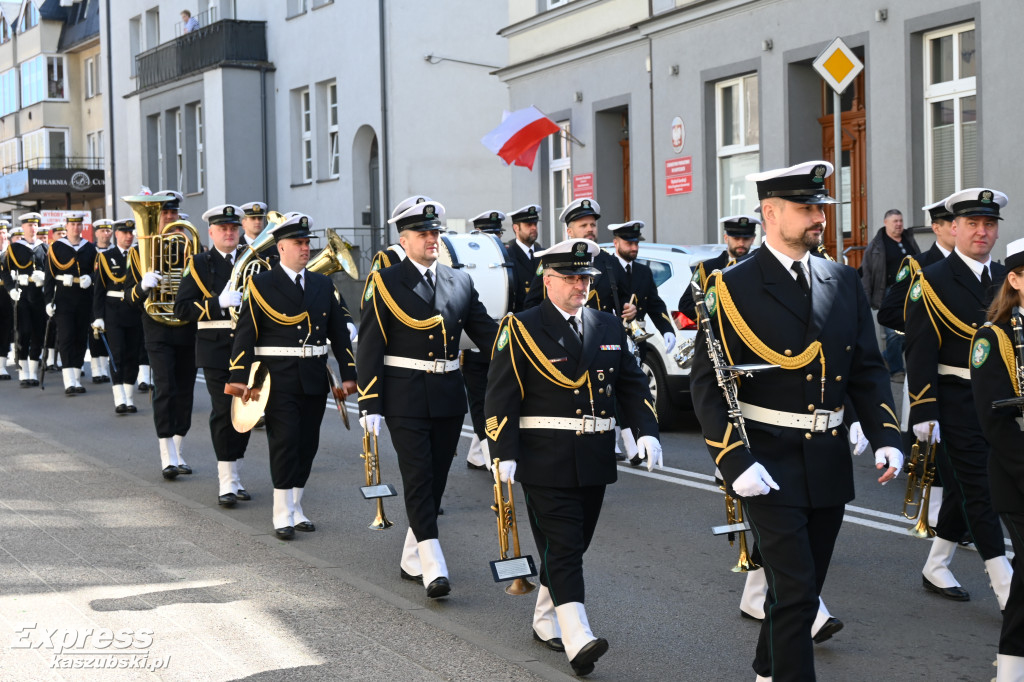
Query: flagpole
(564, 132)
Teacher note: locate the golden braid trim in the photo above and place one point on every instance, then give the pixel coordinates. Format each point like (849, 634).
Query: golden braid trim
(946, 316)
(1009, 358)
(277, 317)
(108, 273)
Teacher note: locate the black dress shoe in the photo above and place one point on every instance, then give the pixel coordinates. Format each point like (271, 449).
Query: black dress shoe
(831, 627)
(5, 377)
(438, 588)
(242, 495)
(70, 390)
(954, 593)
(286, 533)
(635, 461)
(620, 457)
(170, 472)
(305, 526)
(440, 512)
(25, 383)
(227, 500)
(33, 382)
(555, 643)
(121, 409)
(583, 664)
(260, 423)
(409, 576)
(478, 467)
(104, 379)
(143, 387)
(131, 409)
(97, 380)
(52, 368)
(747, 615)
(79, 389)
(184, 469)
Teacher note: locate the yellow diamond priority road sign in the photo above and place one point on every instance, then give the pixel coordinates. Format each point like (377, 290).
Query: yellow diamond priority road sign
(838, 65)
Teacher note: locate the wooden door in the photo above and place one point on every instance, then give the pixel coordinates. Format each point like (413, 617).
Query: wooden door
(855, 201)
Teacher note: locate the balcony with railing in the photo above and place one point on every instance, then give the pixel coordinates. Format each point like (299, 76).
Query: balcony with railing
(228, 42)
(51, 162)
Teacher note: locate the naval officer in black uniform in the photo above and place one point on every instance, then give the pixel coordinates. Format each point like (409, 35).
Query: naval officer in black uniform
(288, 316)
(24, 283)
(413, 316)
(117, 318)
(70, 265)
(556, 373)
(640, 290)
(206, 298)
(947, 302)
(740, 231)
(811, 317)
(523, 250)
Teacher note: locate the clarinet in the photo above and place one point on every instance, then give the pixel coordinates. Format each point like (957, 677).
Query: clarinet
(1017, 328)
(727, 379)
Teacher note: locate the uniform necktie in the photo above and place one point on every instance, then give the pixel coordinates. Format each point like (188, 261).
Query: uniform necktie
(629, 269)
(298, 284)
(986, 279)
(430, 279)
(801, 279)
(227, 257)
(575, 327)
(531, 253)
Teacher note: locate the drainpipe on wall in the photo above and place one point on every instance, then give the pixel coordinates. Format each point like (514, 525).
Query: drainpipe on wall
(263, 132)
(385, 148)
(654, 165)
(110, 119)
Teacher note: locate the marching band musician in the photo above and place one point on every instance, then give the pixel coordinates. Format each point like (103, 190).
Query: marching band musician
(24, 283)
(205, 297)
(6, 304)
(41, 254)
(115, 316)
(997, 364)
(946, 303)
(408, 361)
(70, 265)
(523, 249)
(172, 356)
(550, 365)
(811, 317)
(607, 293)
(288, 316)
(254, 221)
(739, 235)
(385, 258)
(99, 360)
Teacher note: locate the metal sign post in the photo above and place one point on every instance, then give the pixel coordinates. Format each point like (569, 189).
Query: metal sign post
(839, 66)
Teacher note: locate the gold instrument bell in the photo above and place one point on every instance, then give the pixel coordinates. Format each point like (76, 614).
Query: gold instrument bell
(336, 256)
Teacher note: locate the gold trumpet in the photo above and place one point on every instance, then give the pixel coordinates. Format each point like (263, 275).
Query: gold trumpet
(920, 478)
(371, 462)
(734, 514)
(507, 527)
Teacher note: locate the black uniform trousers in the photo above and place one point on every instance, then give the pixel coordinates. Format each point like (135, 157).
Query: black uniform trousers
(1011, 639)
(796, 544)
(96, 347)
(124, 353)
(563, 522)
(174, 381)
(228, 444)
(6, 321)
(73, 317)
(31, 323)
(951, 523)
(474, 374)
(968, 452)
(293, 435)
(425, 448)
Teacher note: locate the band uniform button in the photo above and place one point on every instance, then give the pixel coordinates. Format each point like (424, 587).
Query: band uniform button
(575, 391)
(603, 413)
(430, 354)
(579, 411)
(810, 408)
(848, 349)
(430, 337)
(834, 432)
(579, 433)
(807, 436)
(839, 378)
(810, 377)
(600, 390)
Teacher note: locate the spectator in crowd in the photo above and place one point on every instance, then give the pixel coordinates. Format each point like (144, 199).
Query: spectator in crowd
(190, 22)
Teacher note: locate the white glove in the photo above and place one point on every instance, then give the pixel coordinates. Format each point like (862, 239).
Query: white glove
(99, 324)
(353, 332)
(85, 281)
(67, 280)
(38, 276)
(371, 422)
(150, 280)
(858, 439)
(507, 470)
(23, 280)
(15, 295)
(649, 448)
(891, 457)
(921, 432)
(51, 308)
(754, 481)
(229, 298)
(670, 341)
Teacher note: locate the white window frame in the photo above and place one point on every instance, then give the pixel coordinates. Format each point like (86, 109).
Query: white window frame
(179, 149)
(556, 3)
(306, 134)
(200, 153)
(955, 89)
(9, 96)
(90, 146)
(10, 153)
(562, 142)
(42, 63)
(726, 151)
(333, 139)
(29, 18)
(43, 152)
(160, 170)
(295, 8)
(91, 82)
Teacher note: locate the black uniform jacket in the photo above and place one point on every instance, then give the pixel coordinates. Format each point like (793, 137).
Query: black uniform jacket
(893, 311)
(111, 275)
(601, 293)
(275, 314)
(197, 301)
(537, 370)
(401, 318)
(701, 274)
(648, 302)
(64, 259)
(759, 315)
(155, 332)
(18, 259)
(994, 376)
(526, 270)
(945, 306)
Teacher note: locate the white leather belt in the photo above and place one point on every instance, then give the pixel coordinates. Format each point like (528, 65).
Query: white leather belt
(60, 280)
(578, 424)
(818, 421)
(429, 366)
(961, 372)
(23, 280)
(116, 294)
(217, 324)
(291, 351)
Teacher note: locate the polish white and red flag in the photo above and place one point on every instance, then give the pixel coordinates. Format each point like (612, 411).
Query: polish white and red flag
(519, 136)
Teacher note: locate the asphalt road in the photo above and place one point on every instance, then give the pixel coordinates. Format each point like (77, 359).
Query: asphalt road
(659, 585)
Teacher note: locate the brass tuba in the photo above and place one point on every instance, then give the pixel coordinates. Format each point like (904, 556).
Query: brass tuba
(337, 255)
(163, 251)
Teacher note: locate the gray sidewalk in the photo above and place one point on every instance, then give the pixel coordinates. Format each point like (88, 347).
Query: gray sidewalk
(100, 568)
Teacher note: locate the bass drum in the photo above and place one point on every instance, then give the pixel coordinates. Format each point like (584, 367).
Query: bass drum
(485, 259)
